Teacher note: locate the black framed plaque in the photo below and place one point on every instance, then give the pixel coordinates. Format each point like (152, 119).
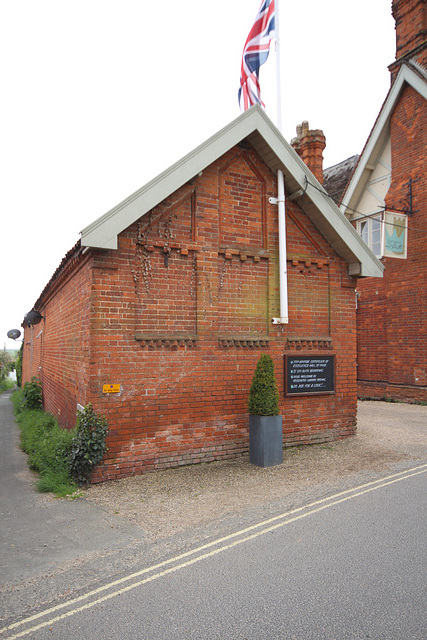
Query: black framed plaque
(309, 375)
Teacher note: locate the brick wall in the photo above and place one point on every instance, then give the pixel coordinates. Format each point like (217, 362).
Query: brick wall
(200, 274)
(57, 350)
(411, 28)
(392, 314)
(179, 315)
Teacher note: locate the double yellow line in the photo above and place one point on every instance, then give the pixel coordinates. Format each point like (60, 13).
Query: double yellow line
(139, 578)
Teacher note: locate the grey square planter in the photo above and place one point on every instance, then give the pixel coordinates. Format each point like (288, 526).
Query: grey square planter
(265, 440)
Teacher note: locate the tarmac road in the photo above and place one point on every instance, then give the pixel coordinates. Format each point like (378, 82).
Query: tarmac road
(352, 565)
(54, 549)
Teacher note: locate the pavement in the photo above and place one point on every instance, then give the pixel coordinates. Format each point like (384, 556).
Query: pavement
(51, 548)
(39, 533)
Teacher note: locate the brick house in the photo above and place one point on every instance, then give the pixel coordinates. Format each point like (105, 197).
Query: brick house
(158, 315)
(386, 200)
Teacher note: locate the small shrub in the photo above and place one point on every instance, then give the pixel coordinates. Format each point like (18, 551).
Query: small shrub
(33, 398)
(88, 445)
(263, 395)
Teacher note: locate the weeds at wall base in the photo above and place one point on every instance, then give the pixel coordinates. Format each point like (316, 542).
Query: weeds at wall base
(63, 459)
(47, 447)
(390, 399)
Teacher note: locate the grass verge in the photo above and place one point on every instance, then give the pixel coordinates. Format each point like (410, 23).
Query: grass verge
(6, 384)
(48, 448)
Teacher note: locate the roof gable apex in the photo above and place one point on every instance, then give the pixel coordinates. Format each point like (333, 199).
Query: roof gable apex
(269, 143)
(415, 76)
(103, 232)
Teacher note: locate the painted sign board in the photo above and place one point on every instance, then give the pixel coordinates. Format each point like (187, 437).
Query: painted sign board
(309, 375)
(111, 388)
(395, 236)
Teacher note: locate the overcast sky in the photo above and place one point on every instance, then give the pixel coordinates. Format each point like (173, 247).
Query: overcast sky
(99, 96)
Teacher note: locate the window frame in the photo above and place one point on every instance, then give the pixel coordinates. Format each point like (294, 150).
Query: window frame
(368, 223)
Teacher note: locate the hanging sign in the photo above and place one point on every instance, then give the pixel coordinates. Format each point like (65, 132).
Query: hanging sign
(395, 235)
(309, 375)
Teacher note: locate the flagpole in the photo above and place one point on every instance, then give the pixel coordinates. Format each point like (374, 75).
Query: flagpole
(278, 83)
(283, 268)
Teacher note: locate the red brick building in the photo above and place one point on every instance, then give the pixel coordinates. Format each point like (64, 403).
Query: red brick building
(159, 313)
(386, 200)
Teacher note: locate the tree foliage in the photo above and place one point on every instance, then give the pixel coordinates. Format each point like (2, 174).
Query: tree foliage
(7, 364)
(18, 365)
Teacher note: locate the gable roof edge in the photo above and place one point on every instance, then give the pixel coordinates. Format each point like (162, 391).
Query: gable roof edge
(267, 140)
(103, 232)
(409, 73)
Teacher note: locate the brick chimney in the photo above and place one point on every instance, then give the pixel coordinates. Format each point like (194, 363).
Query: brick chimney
(411, 32)
(309, 145)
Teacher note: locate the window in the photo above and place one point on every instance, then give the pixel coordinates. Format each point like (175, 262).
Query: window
(370, 231)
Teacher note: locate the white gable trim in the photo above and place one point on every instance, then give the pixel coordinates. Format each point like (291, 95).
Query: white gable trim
(380, 133)
(255, 125)
(103, 232)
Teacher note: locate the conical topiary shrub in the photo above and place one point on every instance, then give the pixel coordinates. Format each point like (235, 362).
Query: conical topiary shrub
(265, 423)
(263, 395)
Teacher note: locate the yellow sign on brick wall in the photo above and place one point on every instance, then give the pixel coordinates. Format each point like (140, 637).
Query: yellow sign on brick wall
(111, 388)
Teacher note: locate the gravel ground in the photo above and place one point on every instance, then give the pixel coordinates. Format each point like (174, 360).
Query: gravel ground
(165, 503)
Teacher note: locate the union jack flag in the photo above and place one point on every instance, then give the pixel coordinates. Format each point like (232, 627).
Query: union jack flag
(255, 53)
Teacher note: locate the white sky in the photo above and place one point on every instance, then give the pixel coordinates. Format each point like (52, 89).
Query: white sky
(99, 96)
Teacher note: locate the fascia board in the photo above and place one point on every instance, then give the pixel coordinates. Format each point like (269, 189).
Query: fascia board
(377, 137)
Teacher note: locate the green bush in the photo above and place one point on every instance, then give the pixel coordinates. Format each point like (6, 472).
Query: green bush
(263, 395)
(88, 446)
(32, 393)
(47, 445)
(62, 458)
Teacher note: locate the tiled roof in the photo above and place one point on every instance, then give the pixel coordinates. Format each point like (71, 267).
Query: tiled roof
(337, 177)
